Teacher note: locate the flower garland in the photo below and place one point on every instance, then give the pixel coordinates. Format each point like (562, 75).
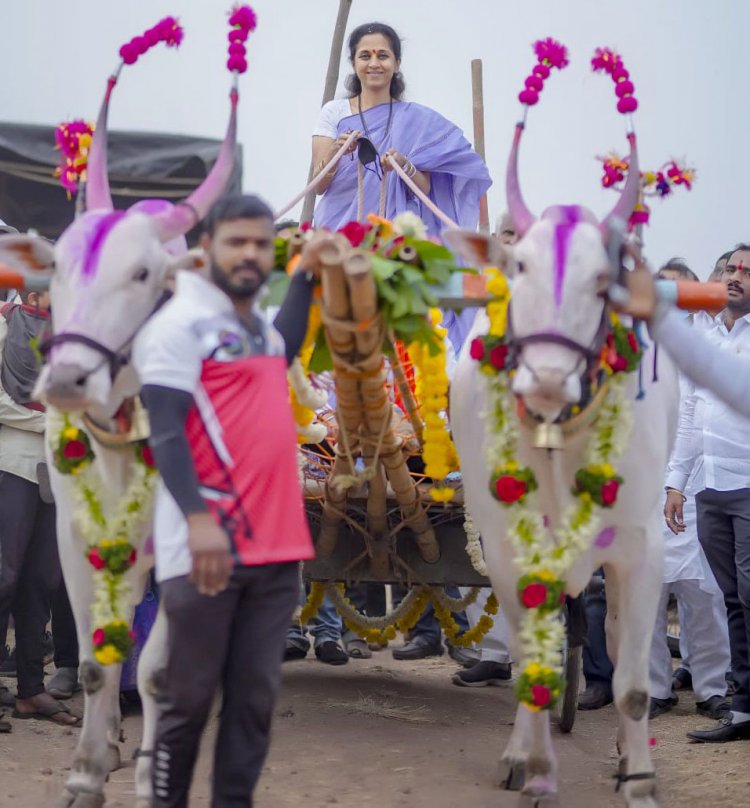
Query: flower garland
(474, 545)
(541, 587)
(438, 451)
(305, 399)
(73, 141)
(378, 630)
(110, 540)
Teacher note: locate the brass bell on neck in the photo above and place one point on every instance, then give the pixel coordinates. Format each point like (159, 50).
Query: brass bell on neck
(548, 436)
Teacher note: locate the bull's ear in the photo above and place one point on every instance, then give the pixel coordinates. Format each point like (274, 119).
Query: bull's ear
(29, 257)
(191, 260)
(477, 249)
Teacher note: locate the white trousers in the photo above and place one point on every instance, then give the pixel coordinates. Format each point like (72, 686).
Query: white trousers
(704, 641)
(494, 647)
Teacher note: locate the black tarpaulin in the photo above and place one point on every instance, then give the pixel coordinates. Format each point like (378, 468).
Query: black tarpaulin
(141, 166)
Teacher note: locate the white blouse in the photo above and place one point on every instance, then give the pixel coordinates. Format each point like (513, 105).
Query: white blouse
(330, 115)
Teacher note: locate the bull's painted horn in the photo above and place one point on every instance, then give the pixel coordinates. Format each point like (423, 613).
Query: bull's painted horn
(607, 61)
(521, 216)
(98, 195)
(550, 54)
(630, 192)
(185, 215)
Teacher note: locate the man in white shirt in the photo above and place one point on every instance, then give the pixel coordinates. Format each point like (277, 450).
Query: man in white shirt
(719, 438)
(704, 641)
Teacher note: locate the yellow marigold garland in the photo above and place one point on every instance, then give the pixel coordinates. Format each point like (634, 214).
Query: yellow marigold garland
(304, 415)
(404, 617)
(438, 452)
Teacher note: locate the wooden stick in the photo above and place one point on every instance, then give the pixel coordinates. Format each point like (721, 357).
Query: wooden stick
(477, 97)
(329, 90)
(364, 301)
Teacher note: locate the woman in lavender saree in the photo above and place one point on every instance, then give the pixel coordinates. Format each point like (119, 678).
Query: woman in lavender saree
(431, 149)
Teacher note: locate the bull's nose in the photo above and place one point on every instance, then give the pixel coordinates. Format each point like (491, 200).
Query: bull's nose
(552, 384)
(65, 383)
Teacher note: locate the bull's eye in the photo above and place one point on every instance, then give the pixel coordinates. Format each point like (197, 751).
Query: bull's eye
(520, 267)
(141, 275)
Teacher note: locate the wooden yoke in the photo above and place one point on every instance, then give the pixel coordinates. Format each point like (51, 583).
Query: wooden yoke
(355, 334)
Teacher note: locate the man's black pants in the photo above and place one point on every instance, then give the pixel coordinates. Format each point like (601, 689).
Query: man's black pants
(29, 575)
(723, 519)
(235, 641)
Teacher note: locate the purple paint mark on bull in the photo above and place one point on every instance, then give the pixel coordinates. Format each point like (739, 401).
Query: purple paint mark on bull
(605, 537)
(103, 228)
(570, 216)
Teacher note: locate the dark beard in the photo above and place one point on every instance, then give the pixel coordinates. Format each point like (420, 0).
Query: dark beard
(242, 289)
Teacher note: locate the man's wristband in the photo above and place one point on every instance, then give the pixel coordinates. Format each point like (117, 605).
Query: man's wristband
(669, 488)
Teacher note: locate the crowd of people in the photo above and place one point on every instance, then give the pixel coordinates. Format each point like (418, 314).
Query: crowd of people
(229, 590)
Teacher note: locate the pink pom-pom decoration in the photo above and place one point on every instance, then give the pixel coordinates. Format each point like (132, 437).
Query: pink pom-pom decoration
(243, 20)
(237, 64)
(624, 88)
(549, 54)
(607, 61)
(168, 31)
(243, 17)
(534, 83)
(528, 97)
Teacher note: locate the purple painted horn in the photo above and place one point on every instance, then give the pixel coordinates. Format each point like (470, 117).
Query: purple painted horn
(98, 195)
(521, 216)
(629, 196)
(185, 215)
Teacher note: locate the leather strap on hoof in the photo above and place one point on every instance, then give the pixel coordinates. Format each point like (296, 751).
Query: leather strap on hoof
(626, 778)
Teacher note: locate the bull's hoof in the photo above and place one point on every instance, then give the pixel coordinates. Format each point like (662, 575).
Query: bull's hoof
(511, 774)
(530, 799)
(81, 800)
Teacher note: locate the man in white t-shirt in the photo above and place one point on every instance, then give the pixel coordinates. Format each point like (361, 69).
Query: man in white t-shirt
(230, 526)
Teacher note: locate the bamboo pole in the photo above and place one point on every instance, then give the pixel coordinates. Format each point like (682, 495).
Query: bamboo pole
(477, 97)
(329, 90)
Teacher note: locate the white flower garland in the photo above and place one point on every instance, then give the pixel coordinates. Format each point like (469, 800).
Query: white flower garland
(311, 399)
(542, 633)
(474, 545)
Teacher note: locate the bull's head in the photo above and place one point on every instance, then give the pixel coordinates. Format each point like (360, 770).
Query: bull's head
(110, 271)
(562, 274)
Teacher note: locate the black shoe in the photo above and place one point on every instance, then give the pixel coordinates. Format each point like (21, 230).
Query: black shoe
(661, 706)
(595, 696)
(5, 726)
(331, 653)
(8, 668)
(466, 657)
(418, 649)
(483, 674)
(7, 699)
(293, 651)
(725, 731)
(716, 707)
(682, 679)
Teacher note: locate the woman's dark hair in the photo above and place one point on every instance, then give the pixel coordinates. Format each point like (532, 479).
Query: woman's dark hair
(353, 84)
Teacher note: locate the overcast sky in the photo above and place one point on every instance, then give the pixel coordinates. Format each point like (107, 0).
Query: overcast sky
(688, 59)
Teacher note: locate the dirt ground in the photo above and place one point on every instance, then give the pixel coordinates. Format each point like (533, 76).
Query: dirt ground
(386, 733)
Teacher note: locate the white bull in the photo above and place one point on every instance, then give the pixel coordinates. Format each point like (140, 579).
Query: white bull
(110, 271)
(561, 268)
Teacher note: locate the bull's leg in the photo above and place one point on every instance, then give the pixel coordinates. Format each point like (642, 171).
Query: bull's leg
(151, 667)
(540, 789)
(512, 769)
(638, 584)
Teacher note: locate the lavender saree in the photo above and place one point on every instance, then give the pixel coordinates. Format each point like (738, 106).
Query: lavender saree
(459, 177)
